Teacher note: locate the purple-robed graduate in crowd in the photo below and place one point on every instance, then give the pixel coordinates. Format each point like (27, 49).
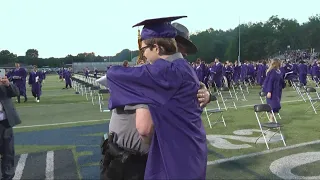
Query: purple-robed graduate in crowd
(35, 80)
(315, 71)
(261, 72)
(303, 71)
(86, 72)
(218, 73)
(244, 72)
(19, 78)
(168, 88)
(67, 77)
(236, 72)
(273, 85)
(200, 69)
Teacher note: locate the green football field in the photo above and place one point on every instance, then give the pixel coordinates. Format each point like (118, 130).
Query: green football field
(66, 123)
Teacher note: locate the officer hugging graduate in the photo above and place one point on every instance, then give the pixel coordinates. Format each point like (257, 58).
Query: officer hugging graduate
(168, 87)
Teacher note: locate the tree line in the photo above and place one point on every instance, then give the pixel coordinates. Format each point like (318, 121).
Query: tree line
(257, 40)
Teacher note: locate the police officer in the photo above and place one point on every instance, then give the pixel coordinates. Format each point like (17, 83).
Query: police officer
(124, 152)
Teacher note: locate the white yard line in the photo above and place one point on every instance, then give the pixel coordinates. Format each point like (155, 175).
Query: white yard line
(50, 165)
(56, 124)
(219, 161)
(20, 166)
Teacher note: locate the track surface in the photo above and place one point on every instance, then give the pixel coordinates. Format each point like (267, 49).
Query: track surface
(86, 140)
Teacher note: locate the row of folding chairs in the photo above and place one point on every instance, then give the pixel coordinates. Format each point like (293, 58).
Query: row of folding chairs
(307, 94)
(89, 88)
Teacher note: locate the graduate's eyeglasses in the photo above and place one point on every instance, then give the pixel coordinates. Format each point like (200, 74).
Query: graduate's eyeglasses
(142, 49)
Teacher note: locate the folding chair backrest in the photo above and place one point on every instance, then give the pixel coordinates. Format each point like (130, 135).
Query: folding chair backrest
(262, 94)
(262, 108)
(213, 98)
(311, 89)
(224, 89)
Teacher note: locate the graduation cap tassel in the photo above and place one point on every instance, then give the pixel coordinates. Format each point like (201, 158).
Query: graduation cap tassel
(140, 56)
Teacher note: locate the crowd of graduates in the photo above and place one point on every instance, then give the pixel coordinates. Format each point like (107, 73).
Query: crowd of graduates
(216, 72)
(19, 75)
(22, 77)
(270, 75)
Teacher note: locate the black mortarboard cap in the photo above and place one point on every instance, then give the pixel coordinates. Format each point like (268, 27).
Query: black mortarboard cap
(158, 28)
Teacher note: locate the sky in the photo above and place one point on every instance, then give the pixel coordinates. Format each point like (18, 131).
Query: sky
(57, 28)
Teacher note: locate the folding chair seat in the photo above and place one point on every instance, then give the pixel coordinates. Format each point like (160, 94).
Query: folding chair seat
(314, 99)
(266, 127)
(226, 97)
(100, 97)
(209, 112)
(263, 98)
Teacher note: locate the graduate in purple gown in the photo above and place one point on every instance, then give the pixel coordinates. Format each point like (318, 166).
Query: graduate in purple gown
(86, 72)
(250, 72)
(218, 73)
(19, 78)
(44, 75)
(261, 74)
(200, 69)
(35, 80)
(244, 72)
(315, 71)
(228, 71)
(168, 88)
(236, 72)
(303, 70)
(95, 74)
(67, 78)
(273, 86)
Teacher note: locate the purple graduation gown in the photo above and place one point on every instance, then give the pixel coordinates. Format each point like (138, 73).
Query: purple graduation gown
(67, 77)
(178, 149)
(36, 86)
(274, 83)
(20, 83)
(303, 70)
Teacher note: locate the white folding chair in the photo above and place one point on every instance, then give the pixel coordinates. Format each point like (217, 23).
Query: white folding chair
(218, 110)
(226, 97)
(263, 109)
(237, 89)
(314, 99)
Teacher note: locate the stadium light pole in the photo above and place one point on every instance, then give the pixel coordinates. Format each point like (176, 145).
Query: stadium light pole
(239, 45)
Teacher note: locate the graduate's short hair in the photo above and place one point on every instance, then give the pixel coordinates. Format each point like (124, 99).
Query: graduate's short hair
(167, 46)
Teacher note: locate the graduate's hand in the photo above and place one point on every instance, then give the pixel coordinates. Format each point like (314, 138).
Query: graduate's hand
(203, 95)
(269, 95)
(4, 81)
